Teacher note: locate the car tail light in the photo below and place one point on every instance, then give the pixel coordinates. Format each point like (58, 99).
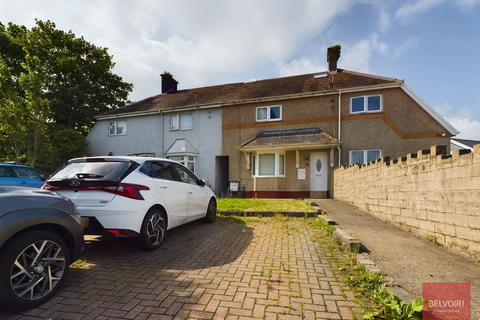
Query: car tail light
(47, 186)
(128, 190)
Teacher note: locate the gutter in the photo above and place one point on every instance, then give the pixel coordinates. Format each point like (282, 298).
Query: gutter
(461, 145)
(290, 147)
(232, 103)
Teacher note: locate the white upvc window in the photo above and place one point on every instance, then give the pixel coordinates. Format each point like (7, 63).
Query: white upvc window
(180, 121)
(268, 164)
(364, 156)
(363, 104)
(269, 113)
(187, 160)
(117, 128)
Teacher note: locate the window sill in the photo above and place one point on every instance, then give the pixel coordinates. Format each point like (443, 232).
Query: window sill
(117, 135)
(263, 121)
(363, 112)
(172, 130)
(269, 176)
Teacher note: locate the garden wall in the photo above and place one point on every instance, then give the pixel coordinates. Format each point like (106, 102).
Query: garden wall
(428, 193)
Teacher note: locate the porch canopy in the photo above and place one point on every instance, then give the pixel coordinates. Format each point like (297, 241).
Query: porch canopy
(181, 147)
(289, 139)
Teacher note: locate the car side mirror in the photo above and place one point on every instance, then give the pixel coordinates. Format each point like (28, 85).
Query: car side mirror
(202, 182)
(43, 177)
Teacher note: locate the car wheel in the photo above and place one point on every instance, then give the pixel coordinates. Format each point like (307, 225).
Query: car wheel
(32, 268)
(211, 215)
(153, 230)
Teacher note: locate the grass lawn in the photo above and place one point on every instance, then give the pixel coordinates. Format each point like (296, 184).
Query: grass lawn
(274, 205)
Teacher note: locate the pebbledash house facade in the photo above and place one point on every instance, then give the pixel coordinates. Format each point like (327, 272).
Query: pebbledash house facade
(279, 137)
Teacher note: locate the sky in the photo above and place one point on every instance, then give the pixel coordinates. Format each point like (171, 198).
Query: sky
(433, 45)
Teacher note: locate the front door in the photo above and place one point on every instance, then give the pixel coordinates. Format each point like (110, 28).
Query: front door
(319, 171)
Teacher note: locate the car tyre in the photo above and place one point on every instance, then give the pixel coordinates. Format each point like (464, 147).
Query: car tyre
(211, 215)
(153, 230)
(33, 267)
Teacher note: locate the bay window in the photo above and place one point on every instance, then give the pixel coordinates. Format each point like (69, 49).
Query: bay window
(187, 160)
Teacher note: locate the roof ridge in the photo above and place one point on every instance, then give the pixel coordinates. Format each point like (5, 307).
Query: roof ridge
(277, 87)
(253, 81)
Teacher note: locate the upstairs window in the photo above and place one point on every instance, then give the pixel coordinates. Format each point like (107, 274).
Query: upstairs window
(117, 128)
(180, 121)
(269, 113)
(364, 156)
(366, 104)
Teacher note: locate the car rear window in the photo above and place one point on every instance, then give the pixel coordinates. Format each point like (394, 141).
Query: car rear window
(108, 170)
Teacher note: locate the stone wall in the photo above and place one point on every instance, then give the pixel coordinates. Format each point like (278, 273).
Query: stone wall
(428, 193)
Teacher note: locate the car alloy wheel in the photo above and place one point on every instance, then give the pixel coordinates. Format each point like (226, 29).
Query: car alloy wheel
(37, 270)
(155, 229)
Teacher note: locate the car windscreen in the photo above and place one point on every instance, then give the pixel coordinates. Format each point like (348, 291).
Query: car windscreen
(104, 170)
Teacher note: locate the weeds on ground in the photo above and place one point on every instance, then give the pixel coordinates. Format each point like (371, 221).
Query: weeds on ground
(319, 223)
(372, 285)
(81, 264)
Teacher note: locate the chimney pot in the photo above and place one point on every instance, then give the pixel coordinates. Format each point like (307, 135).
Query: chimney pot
(333, 54)
(169, 84)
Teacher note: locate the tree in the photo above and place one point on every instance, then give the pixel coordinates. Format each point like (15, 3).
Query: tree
(52, 85)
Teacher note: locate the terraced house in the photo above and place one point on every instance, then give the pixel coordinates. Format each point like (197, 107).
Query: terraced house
(278, 137)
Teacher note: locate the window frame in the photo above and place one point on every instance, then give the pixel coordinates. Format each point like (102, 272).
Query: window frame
(177, 117)
(365, 155)
(365, 104)
(268, 119)
(256, 170)
(124, 133)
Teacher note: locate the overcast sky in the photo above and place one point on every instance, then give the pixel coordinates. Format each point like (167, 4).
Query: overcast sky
(433, 44)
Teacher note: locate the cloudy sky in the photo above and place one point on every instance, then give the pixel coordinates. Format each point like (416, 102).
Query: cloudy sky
(433, 44)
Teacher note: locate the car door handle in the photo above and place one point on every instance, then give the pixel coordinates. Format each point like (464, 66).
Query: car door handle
(190, 192)
(163, 187)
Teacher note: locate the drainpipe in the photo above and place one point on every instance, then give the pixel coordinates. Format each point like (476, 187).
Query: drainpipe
(339, 126)
(162, 133)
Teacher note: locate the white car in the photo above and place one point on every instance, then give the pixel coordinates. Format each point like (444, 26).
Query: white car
(134, 196)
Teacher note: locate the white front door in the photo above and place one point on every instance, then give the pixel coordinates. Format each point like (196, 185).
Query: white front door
(318, 171)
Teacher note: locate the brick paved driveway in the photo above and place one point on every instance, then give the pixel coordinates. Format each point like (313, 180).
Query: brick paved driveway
(270, 269)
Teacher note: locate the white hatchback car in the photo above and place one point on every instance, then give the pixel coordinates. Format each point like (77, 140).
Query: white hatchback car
(134, 196)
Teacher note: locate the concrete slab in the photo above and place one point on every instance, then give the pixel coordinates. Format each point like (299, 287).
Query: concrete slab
(406, 258)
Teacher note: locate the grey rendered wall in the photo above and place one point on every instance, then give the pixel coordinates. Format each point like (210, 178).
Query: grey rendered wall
(143, 135)
(205, 137)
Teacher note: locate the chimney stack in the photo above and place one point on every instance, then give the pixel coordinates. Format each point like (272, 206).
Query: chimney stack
(169, 84)
(333, 54)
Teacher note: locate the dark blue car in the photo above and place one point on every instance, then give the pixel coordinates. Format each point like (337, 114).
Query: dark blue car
(14, 174)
